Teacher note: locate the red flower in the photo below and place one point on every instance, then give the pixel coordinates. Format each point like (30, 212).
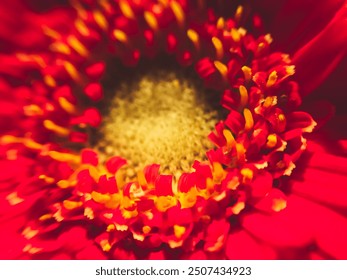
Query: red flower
(253, 198)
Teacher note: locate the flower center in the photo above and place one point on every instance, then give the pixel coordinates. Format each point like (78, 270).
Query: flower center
(161, 117)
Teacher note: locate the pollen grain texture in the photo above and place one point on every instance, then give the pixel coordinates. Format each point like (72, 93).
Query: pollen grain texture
(160, 117)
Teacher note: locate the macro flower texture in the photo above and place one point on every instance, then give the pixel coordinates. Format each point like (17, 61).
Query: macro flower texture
(173, 129)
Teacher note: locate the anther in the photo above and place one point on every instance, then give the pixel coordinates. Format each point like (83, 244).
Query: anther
(100, 20)
(66, 105)
(71, 70)
(126, 9)
(248, 119)
(51, 33)
(62, 131)
(60, 47)
(222, 69)
(235, 35)
(81, 27)
(238, 13)
(271, 140)
(220, 23)
(194, 37)
(49, 81)
(120, 36)
(219, 47)
(272, 79)
(151, 20)
(77, 46)
(247, 72)
(229, 138)
(243, 96)
(178, 12)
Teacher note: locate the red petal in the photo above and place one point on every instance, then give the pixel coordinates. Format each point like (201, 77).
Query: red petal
(241, 246)
(89, 157)
(151, 173)
(288, 228)
(86, 182)
(96, 70)
(163, 185)
(90, 252)
(321, 186)
(261, 185)
(107, 185)
(329, 45)
(94, 91)
(326, 162)
(114, 164)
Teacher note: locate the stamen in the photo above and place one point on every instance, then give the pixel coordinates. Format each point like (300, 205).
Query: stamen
(110, 228)
(194, 37)
(146, 229)
(247, 175)
(241, 152)
(268, 38)
(179, 231)
(178, 12)
(219, 47)
(271, 140)
(238, 13)
(222, 68)
(79, 8)
(62, 131)
(47, 179)
(70, 205)
(290, 70)
(229, 138)
(105, 245)
(120, 36)
(279, 204)
(60, 47)
(45, 217)
(270, 101)
(100, 19)
(247, 72)
(31, 250)
(220, 23)
(272, 79)
(71, 70)
(64, 157)
(238, 207)
(64, 184)
(235, 35)
(126, 9)
(106, 5)
(50, 81)
(248, 119)
(14, 199)
(51, 33)
(81, 27)
(66, 105)
(151, 20)
(233, 184)
(77, 46)
(289, 169)
(32, 110)
(218, 173)
(89, 213)
(243, 96)
(141, 178)
(31, 144)
(165, 202)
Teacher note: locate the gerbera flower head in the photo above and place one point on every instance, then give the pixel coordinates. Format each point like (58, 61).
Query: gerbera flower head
(68, 191)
